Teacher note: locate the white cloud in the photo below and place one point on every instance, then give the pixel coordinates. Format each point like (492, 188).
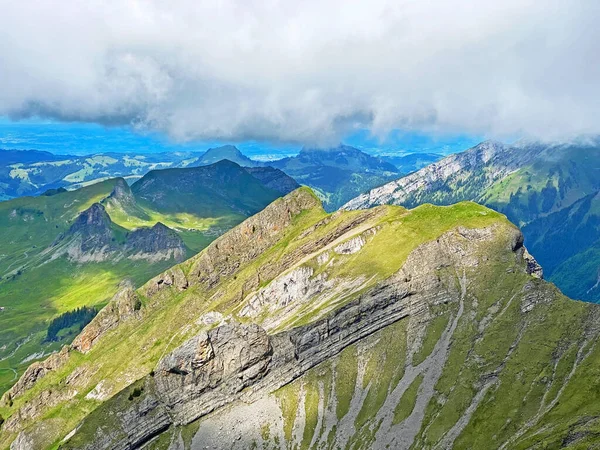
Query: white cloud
(305, 71)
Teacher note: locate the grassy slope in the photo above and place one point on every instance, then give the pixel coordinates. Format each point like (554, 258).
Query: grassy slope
(133, 349)
(38, 293)
(578, 276)
(197, 231)
(29, 225)
(35, 295)
(542, 365)
(541, 197)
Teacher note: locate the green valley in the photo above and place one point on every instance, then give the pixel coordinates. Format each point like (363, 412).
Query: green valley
(49, 265)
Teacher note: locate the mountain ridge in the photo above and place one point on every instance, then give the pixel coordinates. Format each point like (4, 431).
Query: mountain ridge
(311, 250)
(542, 187)
(75, 248)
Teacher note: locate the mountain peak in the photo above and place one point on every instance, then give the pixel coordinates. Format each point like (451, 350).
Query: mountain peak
(89, 238)
(156, 243)
(121, 193)
(229, 152)
(94, 217)
(224, 149)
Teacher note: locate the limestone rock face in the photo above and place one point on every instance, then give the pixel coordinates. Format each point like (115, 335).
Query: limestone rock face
(123, 305)
(533, 268)
(33, 409)
(90, 237)
(242, 362)
(226, 254)
(36, 371)
(298, 285)
(121, 195)
(172, 277)
(155, 244)
(211, 368)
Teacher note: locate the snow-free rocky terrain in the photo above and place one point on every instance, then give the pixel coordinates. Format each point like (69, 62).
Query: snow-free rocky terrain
(377, 328)
(550, 190)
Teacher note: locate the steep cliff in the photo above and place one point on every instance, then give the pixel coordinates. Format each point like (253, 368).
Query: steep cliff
(93, 237)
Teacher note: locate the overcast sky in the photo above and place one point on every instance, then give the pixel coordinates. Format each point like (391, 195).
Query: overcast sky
(305, 71)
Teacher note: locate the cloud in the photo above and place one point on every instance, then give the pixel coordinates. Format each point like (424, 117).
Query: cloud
(310, 71)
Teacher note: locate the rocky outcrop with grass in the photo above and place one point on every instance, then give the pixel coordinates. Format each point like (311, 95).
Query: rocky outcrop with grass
(384, 328)
(93, 237)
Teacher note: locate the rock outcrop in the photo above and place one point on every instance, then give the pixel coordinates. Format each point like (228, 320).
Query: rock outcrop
(34, 372)
(173, 277)
(122, 193)
(93, 237)
(155, 244)
(241, 362)
(229, 252)
(89, 238)
(123, 306)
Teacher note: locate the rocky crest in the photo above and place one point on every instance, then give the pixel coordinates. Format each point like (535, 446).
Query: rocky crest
(226, 254)
(154, 244)
(242, 362)
(34, 372)
(93, 237)
(89, 238)
(121, 195)
(123, 305)
(496, 160)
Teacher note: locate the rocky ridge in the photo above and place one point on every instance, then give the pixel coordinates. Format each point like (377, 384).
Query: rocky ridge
(549, 189)
(452, 308)
(495, 159)
(93, 238)
(235, 362)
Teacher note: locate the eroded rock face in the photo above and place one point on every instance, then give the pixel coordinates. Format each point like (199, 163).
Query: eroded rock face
(533, 268)
(121, 195)
(173, 277)
(242, 362)
(32, 409)
(209, 369)
(351, 246)
(36, 371)
(296, 286)
(229, 252)
(92, 238)
(155, 244)
(123, 305)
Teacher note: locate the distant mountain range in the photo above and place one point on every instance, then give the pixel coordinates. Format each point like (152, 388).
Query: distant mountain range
(74, 248)
(412, 162)
(337, 174)
(550, 190)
